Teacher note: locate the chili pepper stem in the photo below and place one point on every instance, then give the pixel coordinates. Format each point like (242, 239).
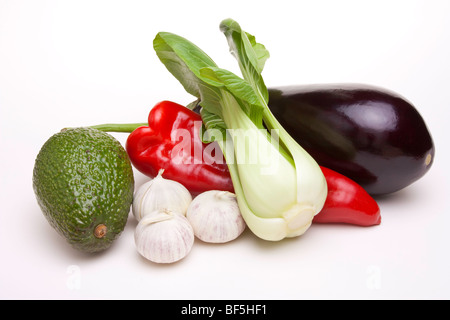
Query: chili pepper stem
(119, 127)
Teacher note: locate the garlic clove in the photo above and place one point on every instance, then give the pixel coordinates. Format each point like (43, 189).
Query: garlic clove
(215, 217)
(164, 237)
(160, 193)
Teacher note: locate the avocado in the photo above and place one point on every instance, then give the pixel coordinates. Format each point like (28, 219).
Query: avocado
(83, 182)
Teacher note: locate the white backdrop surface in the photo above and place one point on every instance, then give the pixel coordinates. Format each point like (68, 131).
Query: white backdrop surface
(77, 63)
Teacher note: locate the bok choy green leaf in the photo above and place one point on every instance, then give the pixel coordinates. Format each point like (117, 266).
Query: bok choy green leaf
(279, 186)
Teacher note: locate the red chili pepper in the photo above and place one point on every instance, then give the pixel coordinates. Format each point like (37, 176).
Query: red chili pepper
(171, 141)
(347, 202)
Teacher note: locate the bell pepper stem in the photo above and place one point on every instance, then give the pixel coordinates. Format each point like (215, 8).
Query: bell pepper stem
(119, 127)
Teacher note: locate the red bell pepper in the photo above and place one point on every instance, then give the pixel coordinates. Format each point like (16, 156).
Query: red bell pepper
(171, 141)
(157, 146)
(347, 202)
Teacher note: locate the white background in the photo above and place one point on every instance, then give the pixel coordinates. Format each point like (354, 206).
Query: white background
(78, 63)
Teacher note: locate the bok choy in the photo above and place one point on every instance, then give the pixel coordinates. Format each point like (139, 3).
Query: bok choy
(279, 186)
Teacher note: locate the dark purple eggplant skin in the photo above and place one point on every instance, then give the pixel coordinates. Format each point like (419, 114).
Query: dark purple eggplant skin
(371, 135)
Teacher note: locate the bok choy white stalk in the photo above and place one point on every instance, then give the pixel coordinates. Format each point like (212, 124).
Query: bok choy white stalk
(279, 186)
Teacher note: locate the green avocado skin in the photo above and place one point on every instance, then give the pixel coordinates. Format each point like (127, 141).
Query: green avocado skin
(83, 178)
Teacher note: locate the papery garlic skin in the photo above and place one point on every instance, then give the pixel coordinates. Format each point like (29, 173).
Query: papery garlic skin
(164, 237)
(215, 217)
(158, 194)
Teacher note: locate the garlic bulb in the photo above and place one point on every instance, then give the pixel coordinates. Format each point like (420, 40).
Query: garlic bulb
(215, 216)
(164, 237)
(160, 193)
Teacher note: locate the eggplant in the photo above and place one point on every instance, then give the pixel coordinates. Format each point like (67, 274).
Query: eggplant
(369, 134)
